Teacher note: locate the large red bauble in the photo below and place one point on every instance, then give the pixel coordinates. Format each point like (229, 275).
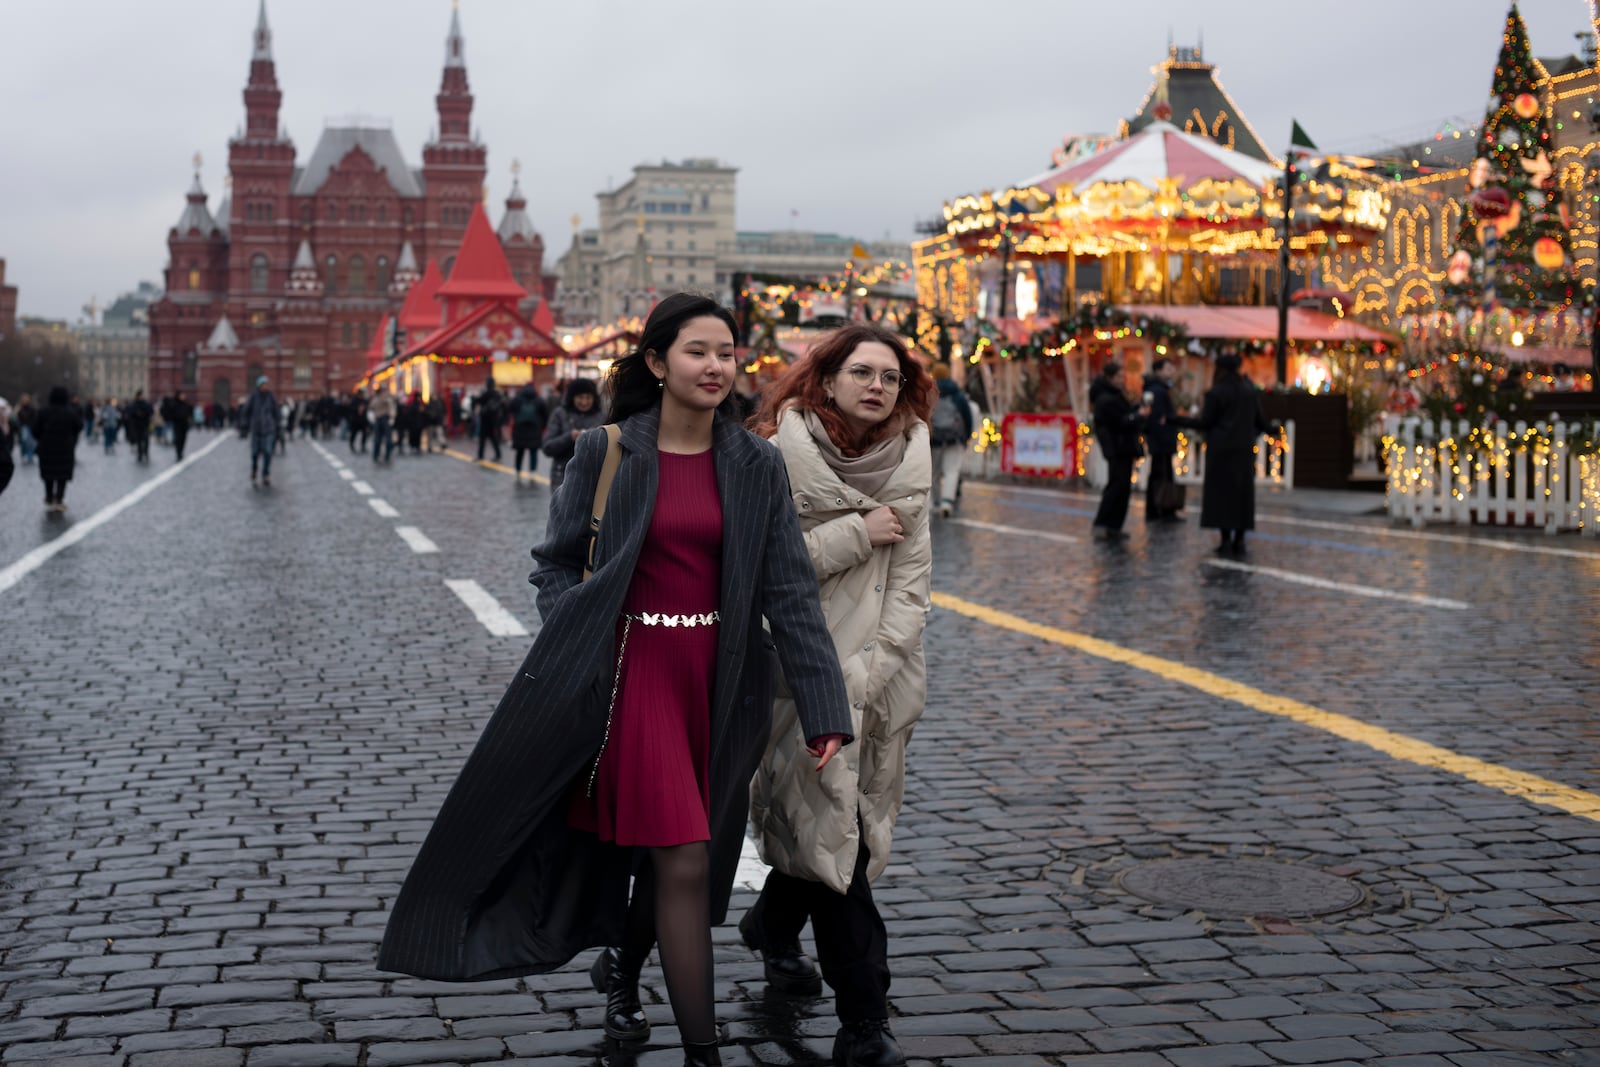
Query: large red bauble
(1490, 203)
(1526, 105)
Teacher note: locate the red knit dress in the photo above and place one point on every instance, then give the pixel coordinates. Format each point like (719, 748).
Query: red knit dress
(653, 784)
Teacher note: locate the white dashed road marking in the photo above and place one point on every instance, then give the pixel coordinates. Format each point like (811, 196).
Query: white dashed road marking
(384, 508)
(363, 488)
(1339, 587)
(496, 619)
(416, 539)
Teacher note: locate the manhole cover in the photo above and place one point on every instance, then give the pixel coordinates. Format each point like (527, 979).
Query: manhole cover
(1241, 887)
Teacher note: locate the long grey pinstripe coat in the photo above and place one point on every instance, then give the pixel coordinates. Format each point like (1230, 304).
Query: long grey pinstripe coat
(502, 886)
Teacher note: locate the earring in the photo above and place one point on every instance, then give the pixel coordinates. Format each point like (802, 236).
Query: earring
(661, 383)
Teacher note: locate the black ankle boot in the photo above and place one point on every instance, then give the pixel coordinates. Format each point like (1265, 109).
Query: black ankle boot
(701, 1054)
(867, 1043)
(788, 970)
(625, 1019)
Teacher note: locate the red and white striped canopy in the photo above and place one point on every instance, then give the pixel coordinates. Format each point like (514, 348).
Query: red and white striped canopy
(1159, 151)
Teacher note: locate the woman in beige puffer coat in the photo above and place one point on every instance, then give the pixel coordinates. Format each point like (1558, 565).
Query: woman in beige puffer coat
(851, 421)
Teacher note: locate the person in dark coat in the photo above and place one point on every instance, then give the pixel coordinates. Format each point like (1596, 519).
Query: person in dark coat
(580, 410)
(506, 882)
(178, 413)
(136, 420)
(56, 429)
(1116, 429)
(8, 440)
(261, 419)
(1231, 420)
(1161, 437)
(489, 410)
(528, 419)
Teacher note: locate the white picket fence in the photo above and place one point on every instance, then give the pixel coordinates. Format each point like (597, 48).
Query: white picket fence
(1274, 462)
(1502, 475)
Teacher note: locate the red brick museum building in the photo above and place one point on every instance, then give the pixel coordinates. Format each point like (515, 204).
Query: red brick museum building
(294, 273)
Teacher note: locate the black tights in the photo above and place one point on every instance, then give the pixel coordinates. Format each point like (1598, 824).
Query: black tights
(672, 904)
(55, 490)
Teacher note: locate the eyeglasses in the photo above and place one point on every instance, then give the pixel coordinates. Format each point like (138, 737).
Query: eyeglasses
(864, 375)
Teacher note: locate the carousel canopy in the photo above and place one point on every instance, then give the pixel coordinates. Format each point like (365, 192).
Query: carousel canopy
(1218, 322)
(1157, 153)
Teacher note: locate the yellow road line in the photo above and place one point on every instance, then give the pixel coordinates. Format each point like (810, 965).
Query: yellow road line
(463, 457)
(1520, 784)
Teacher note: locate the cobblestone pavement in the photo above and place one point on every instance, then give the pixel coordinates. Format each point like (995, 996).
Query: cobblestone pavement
(229, 715)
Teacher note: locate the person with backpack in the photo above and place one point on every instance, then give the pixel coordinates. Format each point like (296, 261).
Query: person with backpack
(951, 431)
(528, 418)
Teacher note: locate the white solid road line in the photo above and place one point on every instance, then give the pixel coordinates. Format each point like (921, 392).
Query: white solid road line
(363, 488)
(496, 619)
(416, 539)
(1339, 587)
(1325, 524)
(31, 562)
(995, 527)
(383, 507)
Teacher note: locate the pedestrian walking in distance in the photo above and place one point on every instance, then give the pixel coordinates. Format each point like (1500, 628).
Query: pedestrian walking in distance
(27, 412)
(8, 439)
(56, 430)
(627, 740)
(261, 420)
(851, 421)
(356, 420)
(1231, 420)
(110, 422)
(528, 419)
(136, 420)
(383, 409)
(490, 409)
(1163, 495)
(579, 410)
(1116, 429)
(951, 426)
(179, 414)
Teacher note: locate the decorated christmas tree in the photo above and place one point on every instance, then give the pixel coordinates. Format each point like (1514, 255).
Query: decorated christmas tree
(1513, 248)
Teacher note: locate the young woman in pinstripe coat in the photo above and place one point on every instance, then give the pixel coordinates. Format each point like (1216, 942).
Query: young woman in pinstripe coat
(627, 743)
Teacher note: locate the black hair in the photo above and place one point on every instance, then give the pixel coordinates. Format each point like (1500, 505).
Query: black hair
(579, 387)
(59, 396)
(632, 385)
(1162, 362)
(1228, 366)
(1111, 369)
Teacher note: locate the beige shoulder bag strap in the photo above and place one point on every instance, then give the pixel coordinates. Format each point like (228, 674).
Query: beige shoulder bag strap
(602, 489)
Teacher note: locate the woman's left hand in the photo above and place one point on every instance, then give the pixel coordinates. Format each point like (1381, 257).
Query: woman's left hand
(824, 752)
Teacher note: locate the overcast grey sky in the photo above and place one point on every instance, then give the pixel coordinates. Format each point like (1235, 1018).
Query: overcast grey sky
(861, 115)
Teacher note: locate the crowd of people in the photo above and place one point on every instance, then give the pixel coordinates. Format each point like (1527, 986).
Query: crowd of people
(1230, 420)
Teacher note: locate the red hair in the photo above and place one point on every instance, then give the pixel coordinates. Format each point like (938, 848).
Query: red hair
(801, 386)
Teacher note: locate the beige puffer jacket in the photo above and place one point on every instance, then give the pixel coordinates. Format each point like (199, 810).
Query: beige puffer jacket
(876, 603)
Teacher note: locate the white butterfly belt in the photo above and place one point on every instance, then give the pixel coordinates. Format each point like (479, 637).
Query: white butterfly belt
(647, 618)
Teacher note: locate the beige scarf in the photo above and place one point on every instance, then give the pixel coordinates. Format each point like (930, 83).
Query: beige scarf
(867, 473)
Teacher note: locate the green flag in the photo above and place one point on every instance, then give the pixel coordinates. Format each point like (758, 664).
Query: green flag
(1299, 143)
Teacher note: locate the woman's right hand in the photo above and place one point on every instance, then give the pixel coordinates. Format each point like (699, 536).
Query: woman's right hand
(883, 527)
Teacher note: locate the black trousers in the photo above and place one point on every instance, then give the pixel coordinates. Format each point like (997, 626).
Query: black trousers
(1160, 474)
(141, 445)
(852, 942)
(490, 438)
(533, 459)
(5, 475)
(55, 490)
(180, 437)
(1118, 491)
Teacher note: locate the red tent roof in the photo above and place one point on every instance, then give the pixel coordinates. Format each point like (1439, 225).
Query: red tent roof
(1214, 322)
(481, 269)
(421, 311)
(487, 332)
(378, 350)
(544, 320)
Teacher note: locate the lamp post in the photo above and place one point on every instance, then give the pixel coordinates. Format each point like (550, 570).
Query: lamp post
(1281, 353)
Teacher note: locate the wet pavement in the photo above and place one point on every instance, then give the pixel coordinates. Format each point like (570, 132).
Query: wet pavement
(229, 714)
